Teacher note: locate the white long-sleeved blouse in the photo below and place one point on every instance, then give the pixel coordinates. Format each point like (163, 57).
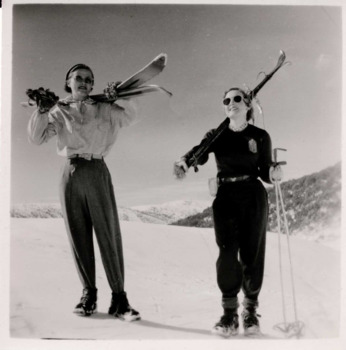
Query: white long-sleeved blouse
(82, 127)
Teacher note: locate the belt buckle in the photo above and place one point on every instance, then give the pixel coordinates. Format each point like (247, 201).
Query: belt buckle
(87, 156)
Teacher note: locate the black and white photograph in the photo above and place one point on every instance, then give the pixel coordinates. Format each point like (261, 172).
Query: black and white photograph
(171, 174)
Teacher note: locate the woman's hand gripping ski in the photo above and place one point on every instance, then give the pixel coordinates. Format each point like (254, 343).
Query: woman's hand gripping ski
(180, 169)
(276, 173)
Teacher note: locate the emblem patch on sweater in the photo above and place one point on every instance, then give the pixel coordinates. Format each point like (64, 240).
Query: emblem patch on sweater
(253, 146)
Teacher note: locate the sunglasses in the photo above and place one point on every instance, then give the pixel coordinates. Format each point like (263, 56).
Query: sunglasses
(228, 100)
(86, 80)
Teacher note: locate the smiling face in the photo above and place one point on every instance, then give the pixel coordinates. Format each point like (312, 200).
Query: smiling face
(234, 105)
(81, 83)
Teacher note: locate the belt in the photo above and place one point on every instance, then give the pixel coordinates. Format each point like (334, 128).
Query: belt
(87, 156)
(223, 180)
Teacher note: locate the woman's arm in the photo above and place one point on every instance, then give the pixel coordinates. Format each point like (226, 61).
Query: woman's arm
(124, 112)
(40, 129)
(203, 159)
(180, 166)
(265, 159)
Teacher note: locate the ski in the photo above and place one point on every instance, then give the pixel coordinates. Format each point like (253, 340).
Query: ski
(152, 69)
(130, 87)
(203, 148)
(135, 92)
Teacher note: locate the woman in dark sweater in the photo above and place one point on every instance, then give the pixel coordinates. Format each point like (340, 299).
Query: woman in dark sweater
(243, 153)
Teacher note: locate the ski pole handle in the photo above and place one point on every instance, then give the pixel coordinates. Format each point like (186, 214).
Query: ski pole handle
(276, 156)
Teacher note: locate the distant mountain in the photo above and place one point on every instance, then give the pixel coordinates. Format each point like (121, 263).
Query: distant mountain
(172, 211)
(53, 210)
(36, 210)
(164, 213)
(312, 203)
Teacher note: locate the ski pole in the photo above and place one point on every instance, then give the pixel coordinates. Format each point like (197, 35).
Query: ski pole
(297, 326)
(276, 184)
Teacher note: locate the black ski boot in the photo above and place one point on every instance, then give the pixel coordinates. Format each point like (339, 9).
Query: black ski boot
(120, 308)
(250, 321)
(87, 305)
(228, 324)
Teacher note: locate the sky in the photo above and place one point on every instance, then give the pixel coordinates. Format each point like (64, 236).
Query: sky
(210, 48)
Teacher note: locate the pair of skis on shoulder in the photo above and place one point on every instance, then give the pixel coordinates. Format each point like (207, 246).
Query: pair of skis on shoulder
(131, 87)
(193, 159)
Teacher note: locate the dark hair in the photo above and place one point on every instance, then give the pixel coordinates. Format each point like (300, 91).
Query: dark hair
(74, 68)
(247, 101)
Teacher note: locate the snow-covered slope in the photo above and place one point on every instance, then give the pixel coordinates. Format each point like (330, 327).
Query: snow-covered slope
(170, 279)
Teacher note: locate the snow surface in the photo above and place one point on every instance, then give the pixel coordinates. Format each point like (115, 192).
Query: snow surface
(171, 280)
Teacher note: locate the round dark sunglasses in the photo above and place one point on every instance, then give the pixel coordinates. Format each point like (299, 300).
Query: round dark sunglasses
(228, 100)
(87, 80)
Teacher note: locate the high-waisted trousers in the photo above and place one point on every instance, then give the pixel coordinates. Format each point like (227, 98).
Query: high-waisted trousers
(240, 213)
(88, 204)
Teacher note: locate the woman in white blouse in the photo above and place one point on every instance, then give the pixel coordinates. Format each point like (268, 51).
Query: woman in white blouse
(86, 130)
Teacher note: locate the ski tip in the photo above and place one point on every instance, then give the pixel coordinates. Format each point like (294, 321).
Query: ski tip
(162, 57)
(282, 54)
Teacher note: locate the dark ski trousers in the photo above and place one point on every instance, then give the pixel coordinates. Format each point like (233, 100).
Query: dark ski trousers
(88, 203)
(240, 213)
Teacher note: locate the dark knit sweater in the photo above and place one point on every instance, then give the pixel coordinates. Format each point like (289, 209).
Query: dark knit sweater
(248, 152)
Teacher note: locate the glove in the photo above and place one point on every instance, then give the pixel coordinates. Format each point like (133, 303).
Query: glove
(275, 173)
(44, 99)
(111, 90)
(180, 169)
